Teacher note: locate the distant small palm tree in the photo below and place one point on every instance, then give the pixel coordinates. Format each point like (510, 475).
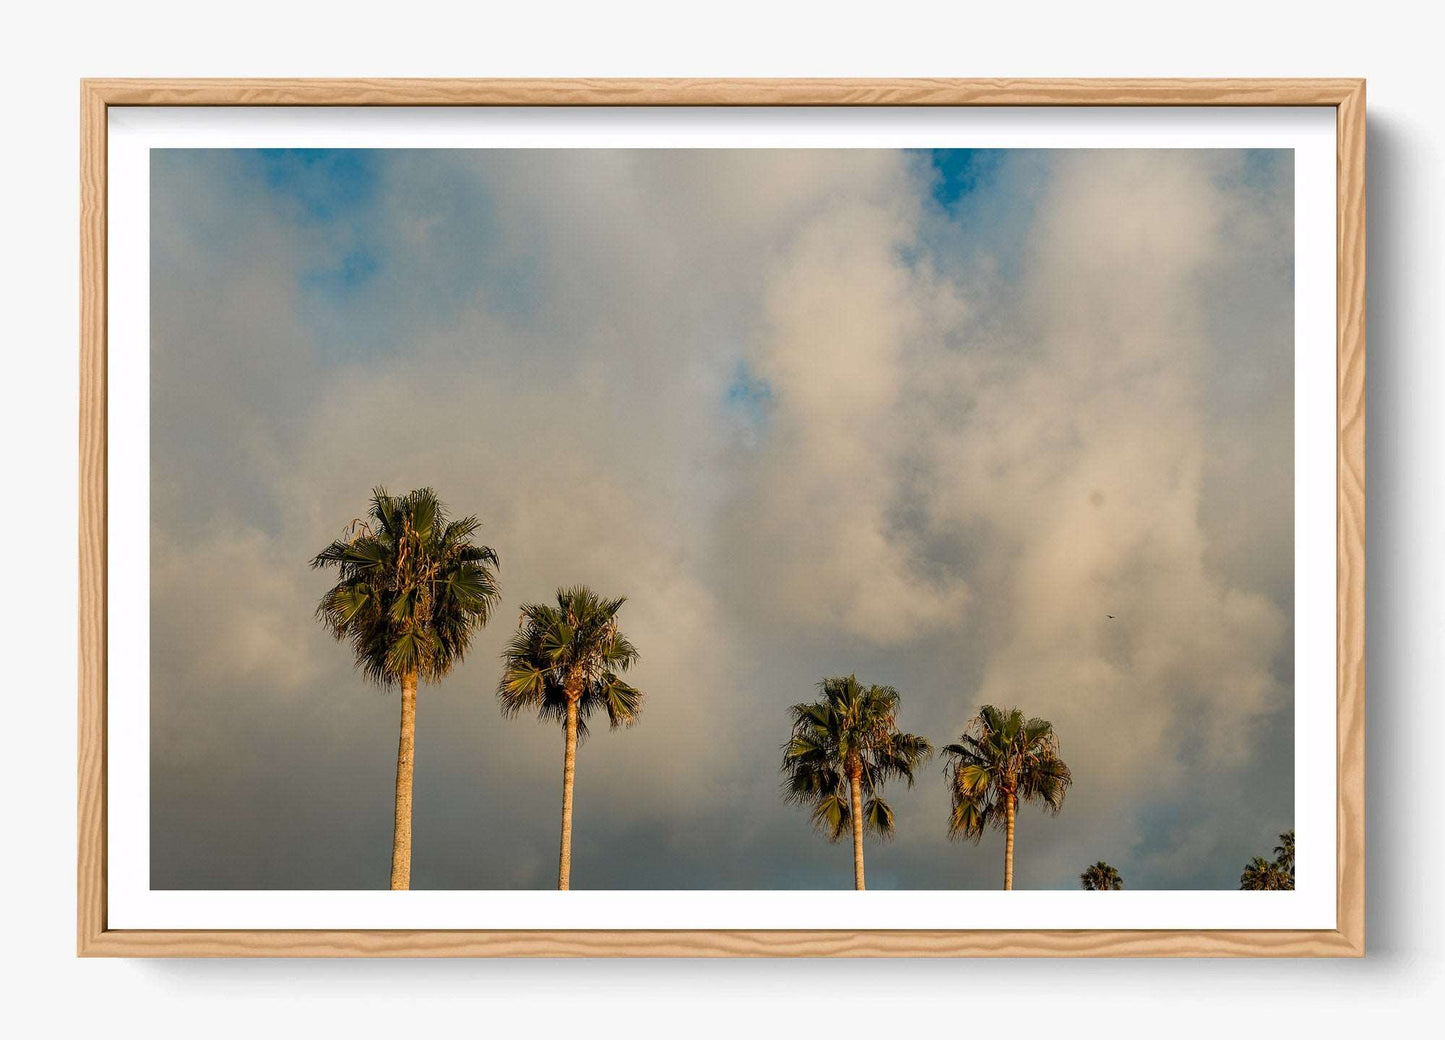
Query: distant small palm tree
(1284, 852)
(1101, 878)
(843, 748)
(1262, 875)
(1003, 757)
(566, 662)
(411, 590)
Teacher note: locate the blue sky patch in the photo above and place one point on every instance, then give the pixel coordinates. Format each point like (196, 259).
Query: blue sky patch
(749, 397)
(323, 182)
(961, 171)
(1260, 165)
(355, 270)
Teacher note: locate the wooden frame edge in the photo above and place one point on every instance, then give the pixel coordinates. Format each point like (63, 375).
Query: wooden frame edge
(91, 708)
(722, 92)
(713, 943)
(1350, 298)
(1346, 95)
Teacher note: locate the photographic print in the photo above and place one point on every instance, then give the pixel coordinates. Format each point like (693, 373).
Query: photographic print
(720, 519)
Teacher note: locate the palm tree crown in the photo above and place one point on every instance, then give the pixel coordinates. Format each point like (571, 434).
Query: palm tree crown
(570, 651)
(412, 587)
(850, 732)
(1284, 852)
(1001, 755)
(1100, 877)
(1262, 875)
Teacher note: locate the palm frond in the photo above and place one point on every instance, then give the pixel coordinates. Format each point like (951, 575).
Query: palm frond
(967, 820)
(832, 815)
(878, 818)
(1284, 852)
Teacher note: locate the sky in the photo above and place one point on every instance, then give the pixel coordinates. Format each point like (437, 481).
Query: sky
(925, 417)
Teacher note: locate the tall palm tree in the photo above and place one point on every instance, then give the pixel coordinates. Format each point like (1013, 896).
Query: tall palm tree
(1262, 875)
(1100, 877)
(1284, 852)
(1000, 758)
(411, 589)
(844, 747)
(566, 662)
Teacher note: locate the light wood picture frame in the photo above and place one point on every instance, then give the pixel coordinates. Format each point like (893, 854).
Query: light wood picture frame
(1345, 96)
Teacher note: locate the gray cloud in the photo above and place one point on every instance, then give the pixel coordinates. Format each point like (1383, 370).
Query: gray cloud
(810, 419)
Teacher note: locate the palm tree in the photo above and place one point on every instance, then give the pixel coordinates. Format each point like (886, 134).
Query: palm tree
(1101, 878)
(412, 587)
(565, 662)
(1261, 875)
(1284, 852)
(843, 748)
(1000, 758)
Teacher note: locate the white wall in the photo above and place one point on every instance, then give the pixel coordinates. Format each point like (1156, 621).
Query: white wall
(48, 48)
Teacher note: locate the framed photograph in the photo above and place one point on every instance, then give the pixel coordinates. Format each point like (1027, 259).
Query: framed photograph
(722, 518)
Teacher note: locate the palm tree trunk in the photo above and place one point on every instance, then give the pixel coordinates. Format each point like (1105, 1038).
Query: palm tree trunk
(569, 774)
(857, 834)
(1011, 809)
(405, 764)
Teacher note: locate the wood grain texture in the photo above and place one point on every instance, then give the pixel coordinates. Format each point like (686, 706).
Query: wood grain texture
(1350, 517)
(1347, 939)
(726, 92)
(630, 943)
(90, 823)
